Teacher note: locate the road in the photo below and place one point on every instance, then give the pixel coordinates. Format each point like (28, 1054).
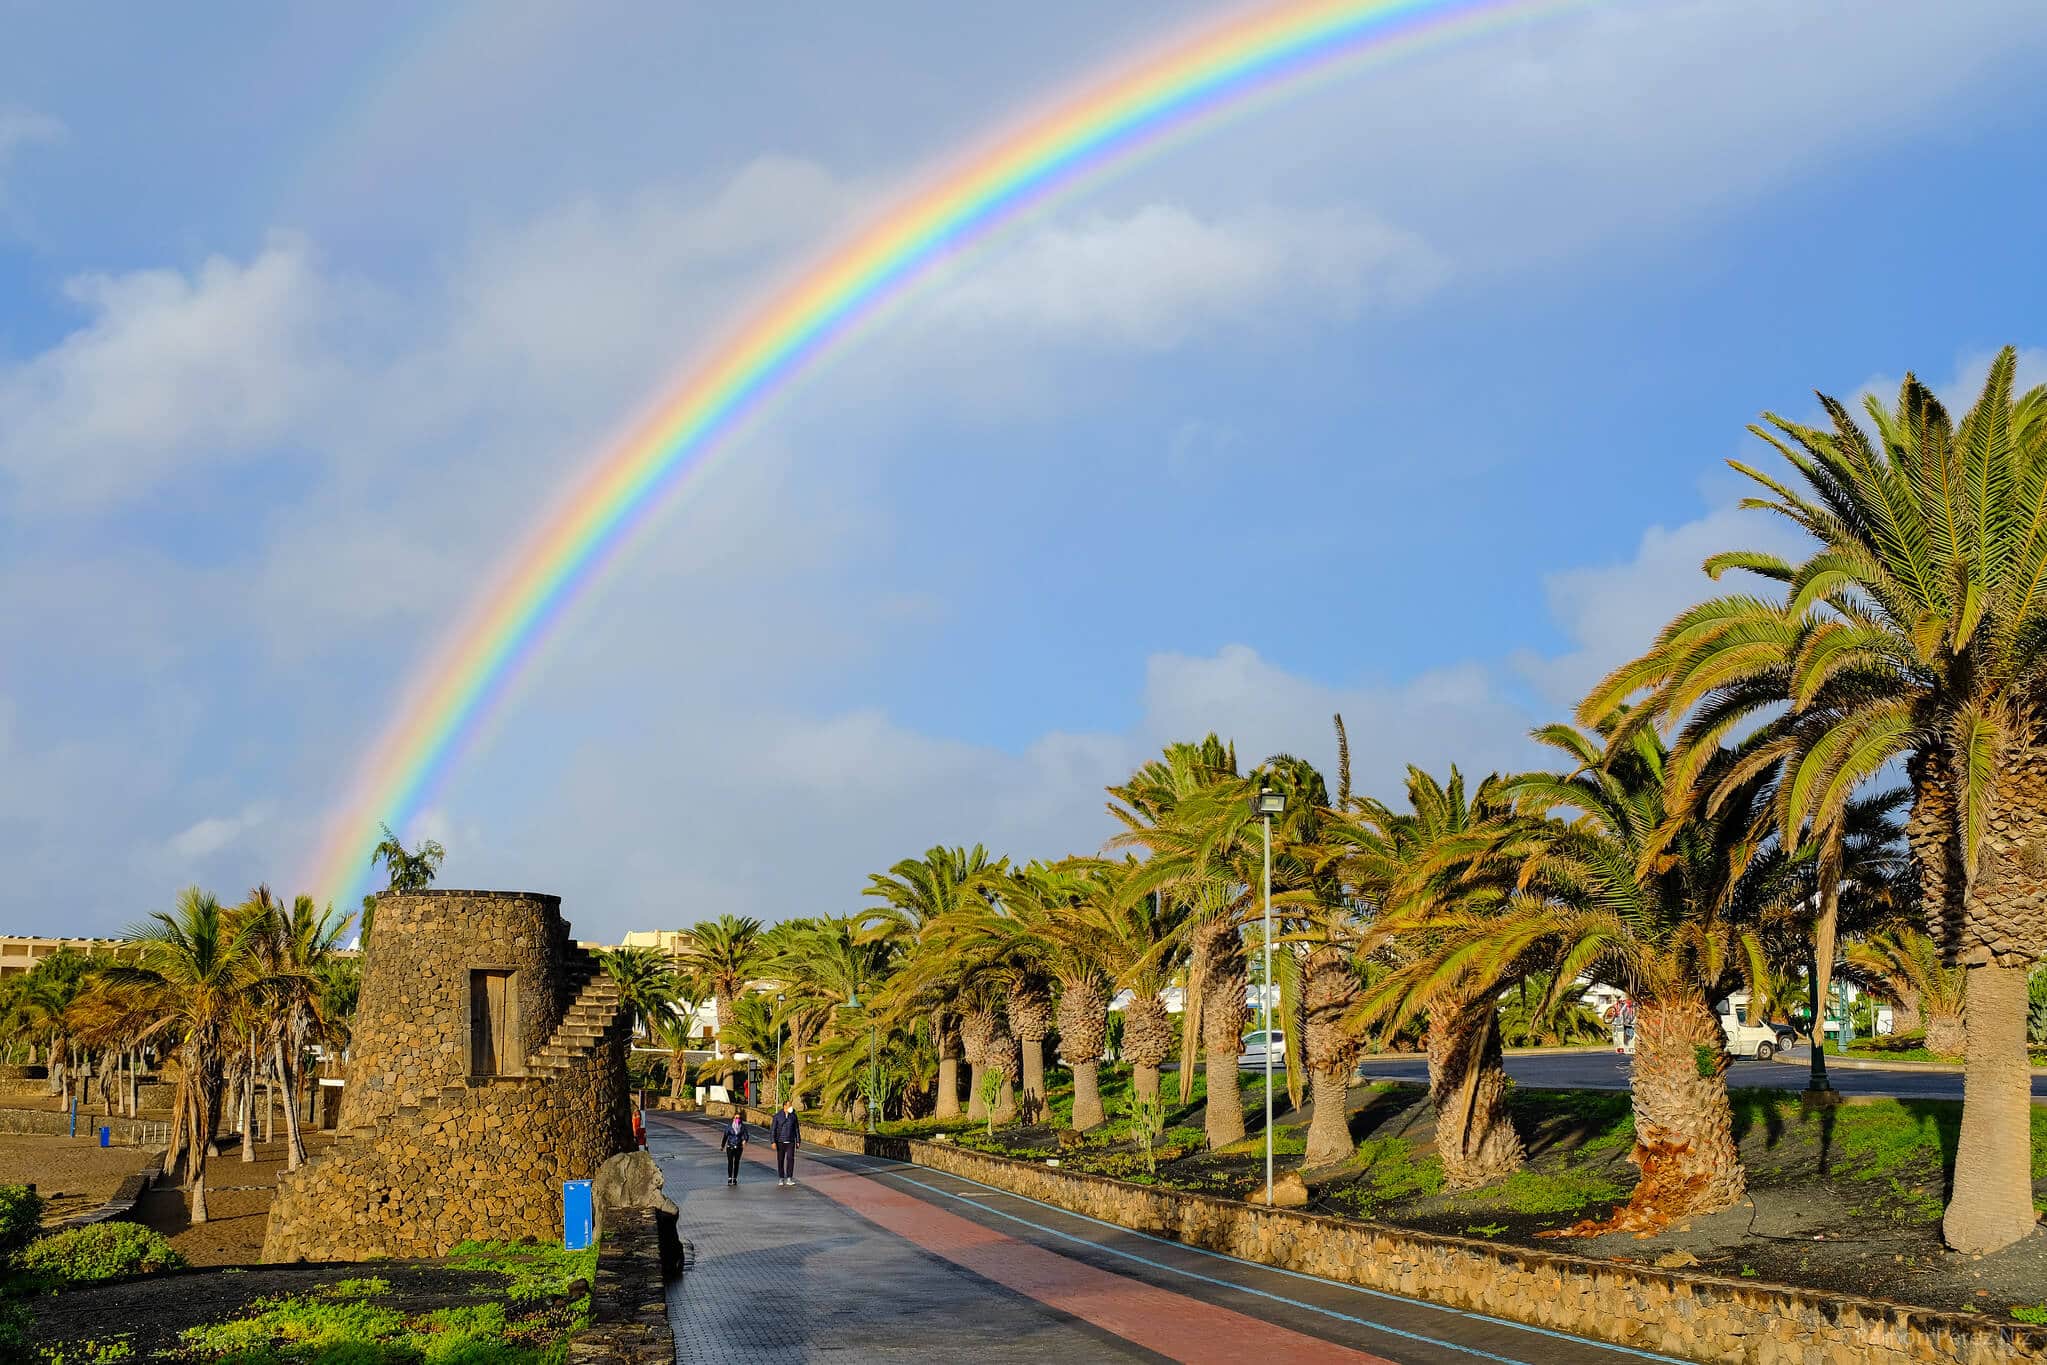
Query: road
(1609, 1071)
(874, 1260)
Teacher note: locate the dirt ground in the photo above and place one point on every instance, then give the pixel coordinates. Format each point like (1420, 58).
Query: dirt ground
(148, 1314)
(238, 1197)
(73, 1175)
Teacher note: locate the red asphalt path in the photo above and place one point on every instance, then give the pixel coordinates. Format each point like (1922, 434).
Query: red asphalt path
(1174, 1325)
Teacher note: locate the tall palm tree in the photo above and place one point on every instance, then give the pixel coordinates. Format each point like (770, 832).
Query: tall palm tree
(912, 897)
(1165, 808)
(198, 965)
(1915, 631)
(718, 958)
(1142, 954)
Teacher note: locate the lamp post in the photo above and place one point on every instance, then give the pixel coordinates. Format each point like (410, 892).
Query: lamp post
(781, 1027)
(1265, 805)
(873, 1046)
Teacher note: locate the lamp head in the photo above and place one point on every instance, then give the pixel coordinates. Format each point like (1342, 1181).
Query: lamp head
(1268, 802)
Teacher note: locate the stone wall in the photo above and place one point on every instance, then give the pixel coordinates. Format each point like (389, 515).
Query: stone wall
(427, 1156)
(629, 1301)
(57, 1123)
(411, 1031)
(1703, 1317)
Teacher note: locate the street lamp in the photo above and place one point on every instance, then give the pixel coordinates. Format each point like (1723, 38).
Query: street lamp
(781, 1027)
(1265, 805)
(853, 1003)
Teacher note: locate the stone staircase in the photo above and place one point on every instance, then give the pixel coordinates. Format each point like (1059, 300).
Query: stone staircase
(595, 1016)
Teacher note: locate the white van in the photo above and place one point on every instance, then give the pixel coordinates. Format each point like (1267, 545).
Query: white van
(1743, 1038)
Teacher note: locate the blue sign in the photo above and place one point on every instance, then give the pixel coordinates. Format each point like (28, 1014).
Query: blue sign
(578, 1217)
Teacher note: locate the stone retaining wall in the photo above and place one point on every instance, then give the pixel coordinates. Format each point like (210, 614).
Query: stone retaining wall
(1705, 1317)
(629, 1300)
(57, 1123)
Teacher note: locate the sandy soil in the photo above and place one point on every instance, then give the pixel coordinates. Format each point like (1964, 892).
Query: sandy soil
(73, 1175)
(237, 1204)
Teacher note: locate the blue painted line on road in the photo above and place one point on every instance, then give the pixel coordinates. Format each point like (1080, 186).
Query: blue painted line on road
(1275, 1270)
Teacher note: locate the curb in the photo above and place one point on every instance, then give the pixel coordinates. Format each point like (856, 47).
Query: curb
(1907, 1068)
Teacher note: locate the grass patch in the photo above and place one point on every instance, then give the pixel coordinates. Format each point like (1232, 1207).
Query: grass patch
(1534, 1192)
(532, 1270)
(2036, 1314)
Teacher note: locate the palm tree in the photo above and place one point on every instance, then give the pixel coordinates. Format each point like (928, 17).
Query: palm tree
(825, 964)
(718, 958)
(1064, 915)
(1663, 905)
(1164, 808)
(1906, 965)
(1444, 855)
(1917, 630)
(198, 966)
(914, 896)
(1142, 955)
(648, 984)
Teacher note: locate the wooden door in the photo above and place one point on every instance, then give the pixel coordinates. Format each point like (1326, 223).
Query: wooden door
(490, 1034)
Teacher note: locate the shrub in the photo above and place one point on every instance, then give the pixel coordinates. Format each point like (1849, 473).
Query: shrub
(21, 1213)
(99, 1251)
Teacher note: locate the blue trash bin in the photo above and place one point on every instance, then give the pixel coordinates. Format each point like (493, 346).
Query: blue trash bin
(106, 1136)
(578, 1218)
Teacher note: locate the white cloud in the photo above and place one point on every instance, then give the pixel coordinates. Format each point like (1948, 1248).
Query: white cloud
(1153, 278)
(1611, 612)
(207, 837)
(172, 370)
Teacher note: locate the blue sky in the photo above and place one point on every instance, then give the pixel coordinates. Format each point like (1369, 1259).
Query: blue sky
(1408, 396)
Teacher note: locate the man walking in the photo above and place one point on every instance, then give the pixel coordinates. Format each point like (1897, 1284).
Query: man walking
(783, 1132)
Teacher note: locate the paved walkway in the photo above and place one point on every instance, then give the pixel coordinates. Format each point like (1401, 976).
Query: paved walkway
(874, 1260)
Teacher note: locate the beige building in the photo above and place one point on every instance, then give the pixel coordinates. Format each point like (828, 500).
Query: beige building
(19, 953)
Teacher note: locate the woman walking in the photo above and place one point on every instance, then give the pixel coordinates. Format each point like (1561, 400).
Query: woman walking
(734, 1143)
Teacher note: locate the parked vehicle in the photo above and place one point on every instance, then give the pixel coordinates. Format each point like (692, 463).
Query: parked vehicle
(1744, 1039)
(1253, 1055)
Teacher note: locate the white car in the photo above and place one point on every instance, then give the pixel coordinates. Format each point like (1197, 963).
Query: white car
(1744, 1039)
(1252, 1058)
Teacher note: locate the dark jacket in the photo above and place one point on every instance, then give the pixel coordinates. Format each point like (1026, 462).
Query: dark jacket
(730, 1139)
(784, 1128)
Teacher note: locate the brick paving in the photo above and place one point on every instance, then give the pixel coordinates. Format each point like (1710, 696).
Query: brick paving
(790, 1275)
(872, 1260)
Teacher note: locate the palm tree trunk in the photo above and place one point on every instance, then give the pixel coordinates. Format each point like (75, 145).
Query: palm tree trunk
(1823, 947)
(947, 1102)
(1947, 1035)
(1083, 1030)
(294, 1147)
(1684, 1125)
(1475, 1134)
(1327, 995)
(977, 1032)
(1905, 1016)
(248, 1109)
(200, 1149)
(1222, 1032)
(1992, 1203)
(1030, 1013)
(1147, 1042)
(799, 1061)
(1191, 1003)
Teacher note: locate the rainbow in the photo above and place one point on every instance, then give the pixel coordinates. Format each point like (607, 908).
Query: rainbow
(1108, 123)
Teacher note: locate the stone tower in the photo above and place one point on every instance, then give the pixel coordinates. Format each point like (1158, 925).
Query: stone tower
(486, 1067)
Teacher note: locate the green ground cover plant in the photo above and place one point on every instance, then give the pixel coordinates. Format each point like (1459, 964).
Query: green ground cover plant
(98, 1251)
(545, 1301)
(21, 1214)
